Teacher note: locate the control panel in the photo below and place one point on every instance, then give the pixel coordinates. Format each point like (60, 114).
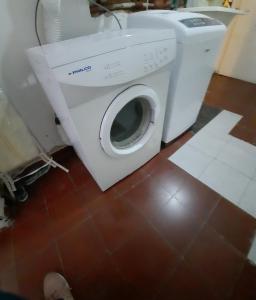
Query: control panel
(113, 69)
(155, 58)
(200, 22)
(120, 66)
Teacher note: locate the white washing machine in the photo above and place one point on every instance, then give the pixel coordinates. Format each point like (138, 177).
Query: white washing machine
(109, 91)
(198, 42)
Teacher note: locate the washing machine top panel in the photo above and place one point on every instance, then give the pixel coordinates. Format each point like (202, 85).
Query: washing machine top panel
(132, 55)
(77, 49)
(118, 67)
(188, 26)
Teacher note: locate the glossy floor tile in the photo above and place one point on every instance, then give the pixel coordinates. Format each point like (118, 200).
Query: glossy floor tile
(81, 249)
(245, 288)
(185, 283)
(234, 225)
(118, 223)
(198, 198)
(216, 260)
(158, 234)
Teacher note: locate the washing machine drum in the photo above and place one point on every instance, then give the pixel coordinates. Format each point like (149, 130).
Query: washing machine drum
(129, 121)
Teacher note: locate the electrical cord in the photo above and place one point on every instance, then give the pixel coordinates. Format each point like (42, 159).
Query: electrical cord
(36, 29)
(108, 11)
(31, 173)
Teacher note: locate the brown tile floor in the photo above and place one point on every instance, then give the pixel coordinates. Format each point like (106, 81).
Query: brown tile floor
(239, 97)
(158, 234)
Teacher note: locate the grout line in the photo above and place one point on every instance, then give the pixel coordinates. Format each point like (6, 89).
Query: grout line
(215, 158)
(150, 222)
(227, 242)
(113, 252)
(152, 226)
(239, 171)
(206, 168)
(59, 256)
(22, 259)
(72, 181)
(72, 228)
(206, 223)
(178, 189)
(166, 241)
(202, 227)
(243, 193)
(225, 143)
(228, 142)
(99, 236)
(46, 206)
(132, 186)
(173, 271)
(232, 289)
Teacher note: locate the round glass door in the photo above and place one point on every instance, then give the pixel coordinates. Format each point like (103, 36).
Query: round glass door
(129, 121)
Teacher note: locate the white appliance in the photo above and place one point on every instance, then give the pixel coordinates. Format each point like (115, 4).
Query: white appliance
(109, 91)
(198, 42)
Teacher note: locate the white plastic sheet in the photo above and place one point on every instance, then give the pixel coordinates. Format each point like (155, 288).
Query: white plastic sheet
(66, 19)
(16, 143)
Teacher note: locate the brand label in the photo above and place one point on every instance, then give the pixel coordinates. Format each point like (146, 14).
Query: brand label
(84, 69)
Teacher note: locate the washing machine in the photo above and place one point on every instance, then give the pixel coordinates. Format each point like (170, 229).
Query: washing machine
(199, 39)
(109, 91)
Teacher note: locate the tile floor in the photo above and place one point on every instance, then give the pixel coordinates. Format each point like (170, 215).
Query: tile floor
(223, 162)
(158, 234)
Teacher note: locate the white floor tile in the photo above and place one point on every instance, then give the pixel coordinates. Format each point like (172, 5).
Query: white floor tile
(209, 142)
(224, 163)
(247, 147)
(191, 160)
(248, 200)
(225, 180)
(240, 156)
(223, 122)
(252, 252)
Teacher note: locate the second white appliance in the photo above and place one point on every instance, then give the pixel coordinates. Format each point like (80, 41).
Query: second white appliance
(109, 91)
(198, 41)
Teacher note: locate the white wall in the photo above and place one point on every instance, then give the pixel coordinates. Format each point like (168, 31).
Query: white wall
(17, 33)
(238, 58)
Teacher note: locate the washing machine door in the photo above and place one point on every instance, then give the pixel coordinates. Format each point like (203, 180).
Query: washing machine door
(129, 121)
